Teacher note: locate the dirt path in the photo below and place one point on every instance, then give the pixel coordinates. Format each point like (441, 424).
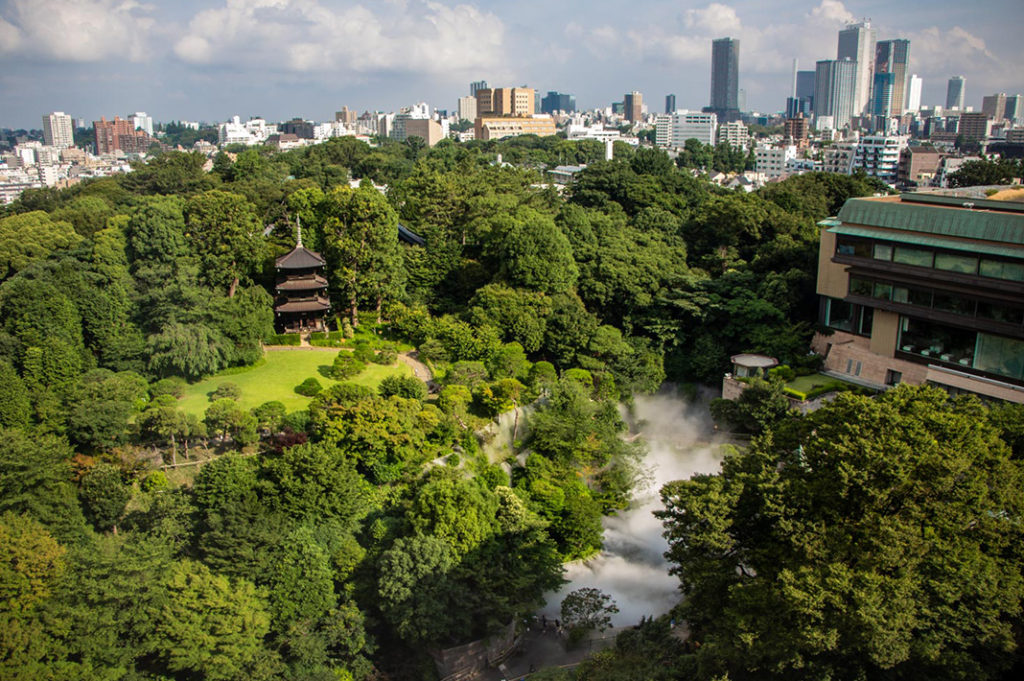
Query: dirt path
(419, 369)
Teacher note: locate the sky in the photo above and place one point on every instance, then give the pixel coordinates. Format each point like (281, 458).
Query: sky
(210, 59)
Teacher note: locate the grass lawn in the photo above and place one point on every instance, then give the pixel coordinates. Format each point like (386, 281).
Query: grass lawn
(805, 384)
(277, 377)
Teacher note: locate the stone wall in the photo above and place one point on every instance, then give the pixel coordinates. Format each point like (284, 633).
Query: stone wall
(468, 661)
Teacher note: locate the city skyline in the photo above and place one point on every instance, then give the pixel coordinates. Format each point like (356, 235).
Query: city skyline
(195, 59)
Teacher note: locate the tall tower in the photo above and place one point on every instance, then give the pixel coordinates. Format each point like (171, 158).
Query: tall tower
(857, 43)
(893, 56)
(955, 92)
(914, 93)
(477, 85)
(834, 86)
(670, 103)
(633, 103)
(57, 130)
(725, 78)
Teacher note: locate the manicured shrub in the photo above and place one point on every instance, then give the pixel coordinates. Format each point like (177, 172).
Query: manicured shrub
(346, 365)
(403, 386)
(226, 390)
(174, 386)
(309, 387)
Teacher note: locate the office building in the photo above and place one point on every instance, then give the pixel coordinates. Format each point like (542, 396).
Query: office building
(994, 106)
(725, 79)
(504, 101)
(883, 92)
(298, 127)
(476, 86)
(672, 130)
(925, 288)
(499, 127)
(141, 121)
(346, 116)
(113, 136)
(467, 108)
(955, 92)
(796, 128)
(670, 103)
(427, 129)
(834, 91)
(857, 43)
(974, 126)
(1014, 108)
(805, 91)
(893, 56)
(633, 107)
(58, 130)
(914, 94)
(553, 102)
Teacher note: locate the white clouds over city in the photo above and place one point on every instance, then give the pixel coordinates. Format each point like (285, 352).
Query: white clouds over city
(77, 30)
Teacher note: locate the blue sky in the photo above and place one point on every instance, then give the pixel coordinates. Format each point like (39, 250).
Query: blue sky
(210, 59)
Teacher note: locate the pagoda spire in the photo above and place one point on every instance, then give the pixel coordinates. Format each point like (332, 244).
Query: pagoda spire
(298, 240)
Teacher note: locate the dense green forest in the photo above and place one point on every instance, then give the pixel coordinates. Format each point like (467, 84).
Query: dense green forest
(348, 539)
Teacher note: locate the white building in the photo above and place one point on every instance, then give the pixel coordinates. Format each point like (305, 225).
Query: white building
(58, 130)
(772, 161)
(839, 158)
(581, 131)
(735, 134)
(914, 93)
(140, 120)
(672, 130)
(252, 132)
(879, 156)
(467, 108)
(419, 111)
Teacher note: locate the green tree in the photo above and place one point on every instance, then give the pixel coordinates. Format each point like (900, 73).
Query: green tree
(876, 537)
(587, 609)
(191, 351)
(15, 405)
(104, 495)
(31, 237)
(529, 251)
(227, 236)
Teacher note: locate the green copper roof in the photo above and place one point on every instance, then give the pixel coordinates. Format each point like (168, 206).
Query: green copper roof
(977, 247)
(962, 223)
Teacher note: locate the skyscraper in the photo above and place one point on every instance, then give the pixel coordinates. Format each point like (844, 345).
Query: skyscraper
(893, 56)
(57, 130)
(914, 93)
(557, 101)
(857, 43)
(805, 91)
(994, 106)
(883, 97)
(725, 78)
(670, 103)
(633, 105)
(477, 85)
(1014, 110)
(955, 92)
(835, 83)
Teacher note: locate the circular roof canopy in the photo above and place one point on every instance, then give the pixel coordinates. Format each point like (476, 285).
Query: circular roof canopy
(754, 361)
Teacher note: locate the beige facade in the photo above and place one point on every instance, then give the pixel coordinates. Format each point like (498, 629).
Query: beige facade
(505, 101)
(425, 128)
(498, 127)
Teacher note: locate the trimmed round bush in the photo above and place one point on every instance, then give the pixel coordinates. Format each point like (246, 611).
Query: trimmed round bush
(227, 390)
(309, 387)
(346, 365)
(173, 386)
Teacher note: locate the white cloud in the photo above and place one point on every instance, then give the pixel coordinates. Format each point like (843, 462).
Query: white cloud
(78, 30)
(306, 36)
(715, 18)
(833, 12)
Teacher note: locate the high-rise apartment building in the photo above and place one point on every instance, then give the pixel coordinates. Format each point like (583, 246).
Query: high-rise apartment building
(477, 85)
(857, 43)
(633, 106)
(141, 121)
(914, 93)
(1014, 109)
(883, 95)
(725, 78)
(994, 106)
(109, 134)
(955, 92)
(670, 103)
(467, 108)
(58, 130)
(893, 56)
(346, 116)
(974, 126)
(672, 130)
(835, 83)
(554, 102)
(505, 101)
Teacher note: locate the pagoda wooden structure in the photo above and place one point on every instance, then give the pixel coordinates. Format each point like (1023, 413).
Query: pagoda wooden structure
(301, 303)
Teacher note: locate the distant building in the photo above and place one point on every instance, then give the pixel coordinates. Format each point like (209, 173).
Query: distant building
(298, 127)
(734, 134)
(476, 86)
(974, 126)
(555, 102)
(805, 92)
(467, 108)
(857, 44)
(672, 130)
(725, 77)
(633, 106)
(58, 130)
(346, 116)
(835, 90)
(499, 127)
(427, 129)
(399, 126)
(120, 135)
(796, 129)
(919, 166)
(914, 94)
(772, 161)
(884, 95)
(925, 288)
(505, 101)
(670, 103)
(893, 57)
(1014, 109)
(141, 121)
(955, 92)
(879, 156)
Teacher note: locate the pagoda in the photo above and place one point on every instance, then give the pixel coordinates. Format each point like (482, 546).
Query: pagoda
(301, 291)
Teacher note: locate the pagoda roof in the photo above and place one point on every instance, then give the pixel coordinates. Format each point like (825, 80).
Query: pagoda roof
(302, 283)
(318, 305)
(300, 258)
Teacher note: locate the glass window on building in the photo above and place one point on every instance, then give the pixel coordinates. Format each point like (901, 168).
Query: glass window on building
(964, 264)
(999, 269)
(839, 314)
(950, 302)
(860, 287)
(1000, 355)
(855, 247)
(912, 296)
(1000, 313)
(882, 252)
(912, 256)
(882, 291)
(937, 341)
(867, 318)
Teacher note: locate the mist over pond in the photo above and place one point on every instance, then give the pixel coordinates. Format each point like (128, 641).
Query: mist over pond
(681, 442)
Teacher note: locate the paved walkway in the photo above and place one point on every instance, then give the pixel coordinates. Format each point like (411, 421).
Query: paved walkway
(419, 369)
(544, 648)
